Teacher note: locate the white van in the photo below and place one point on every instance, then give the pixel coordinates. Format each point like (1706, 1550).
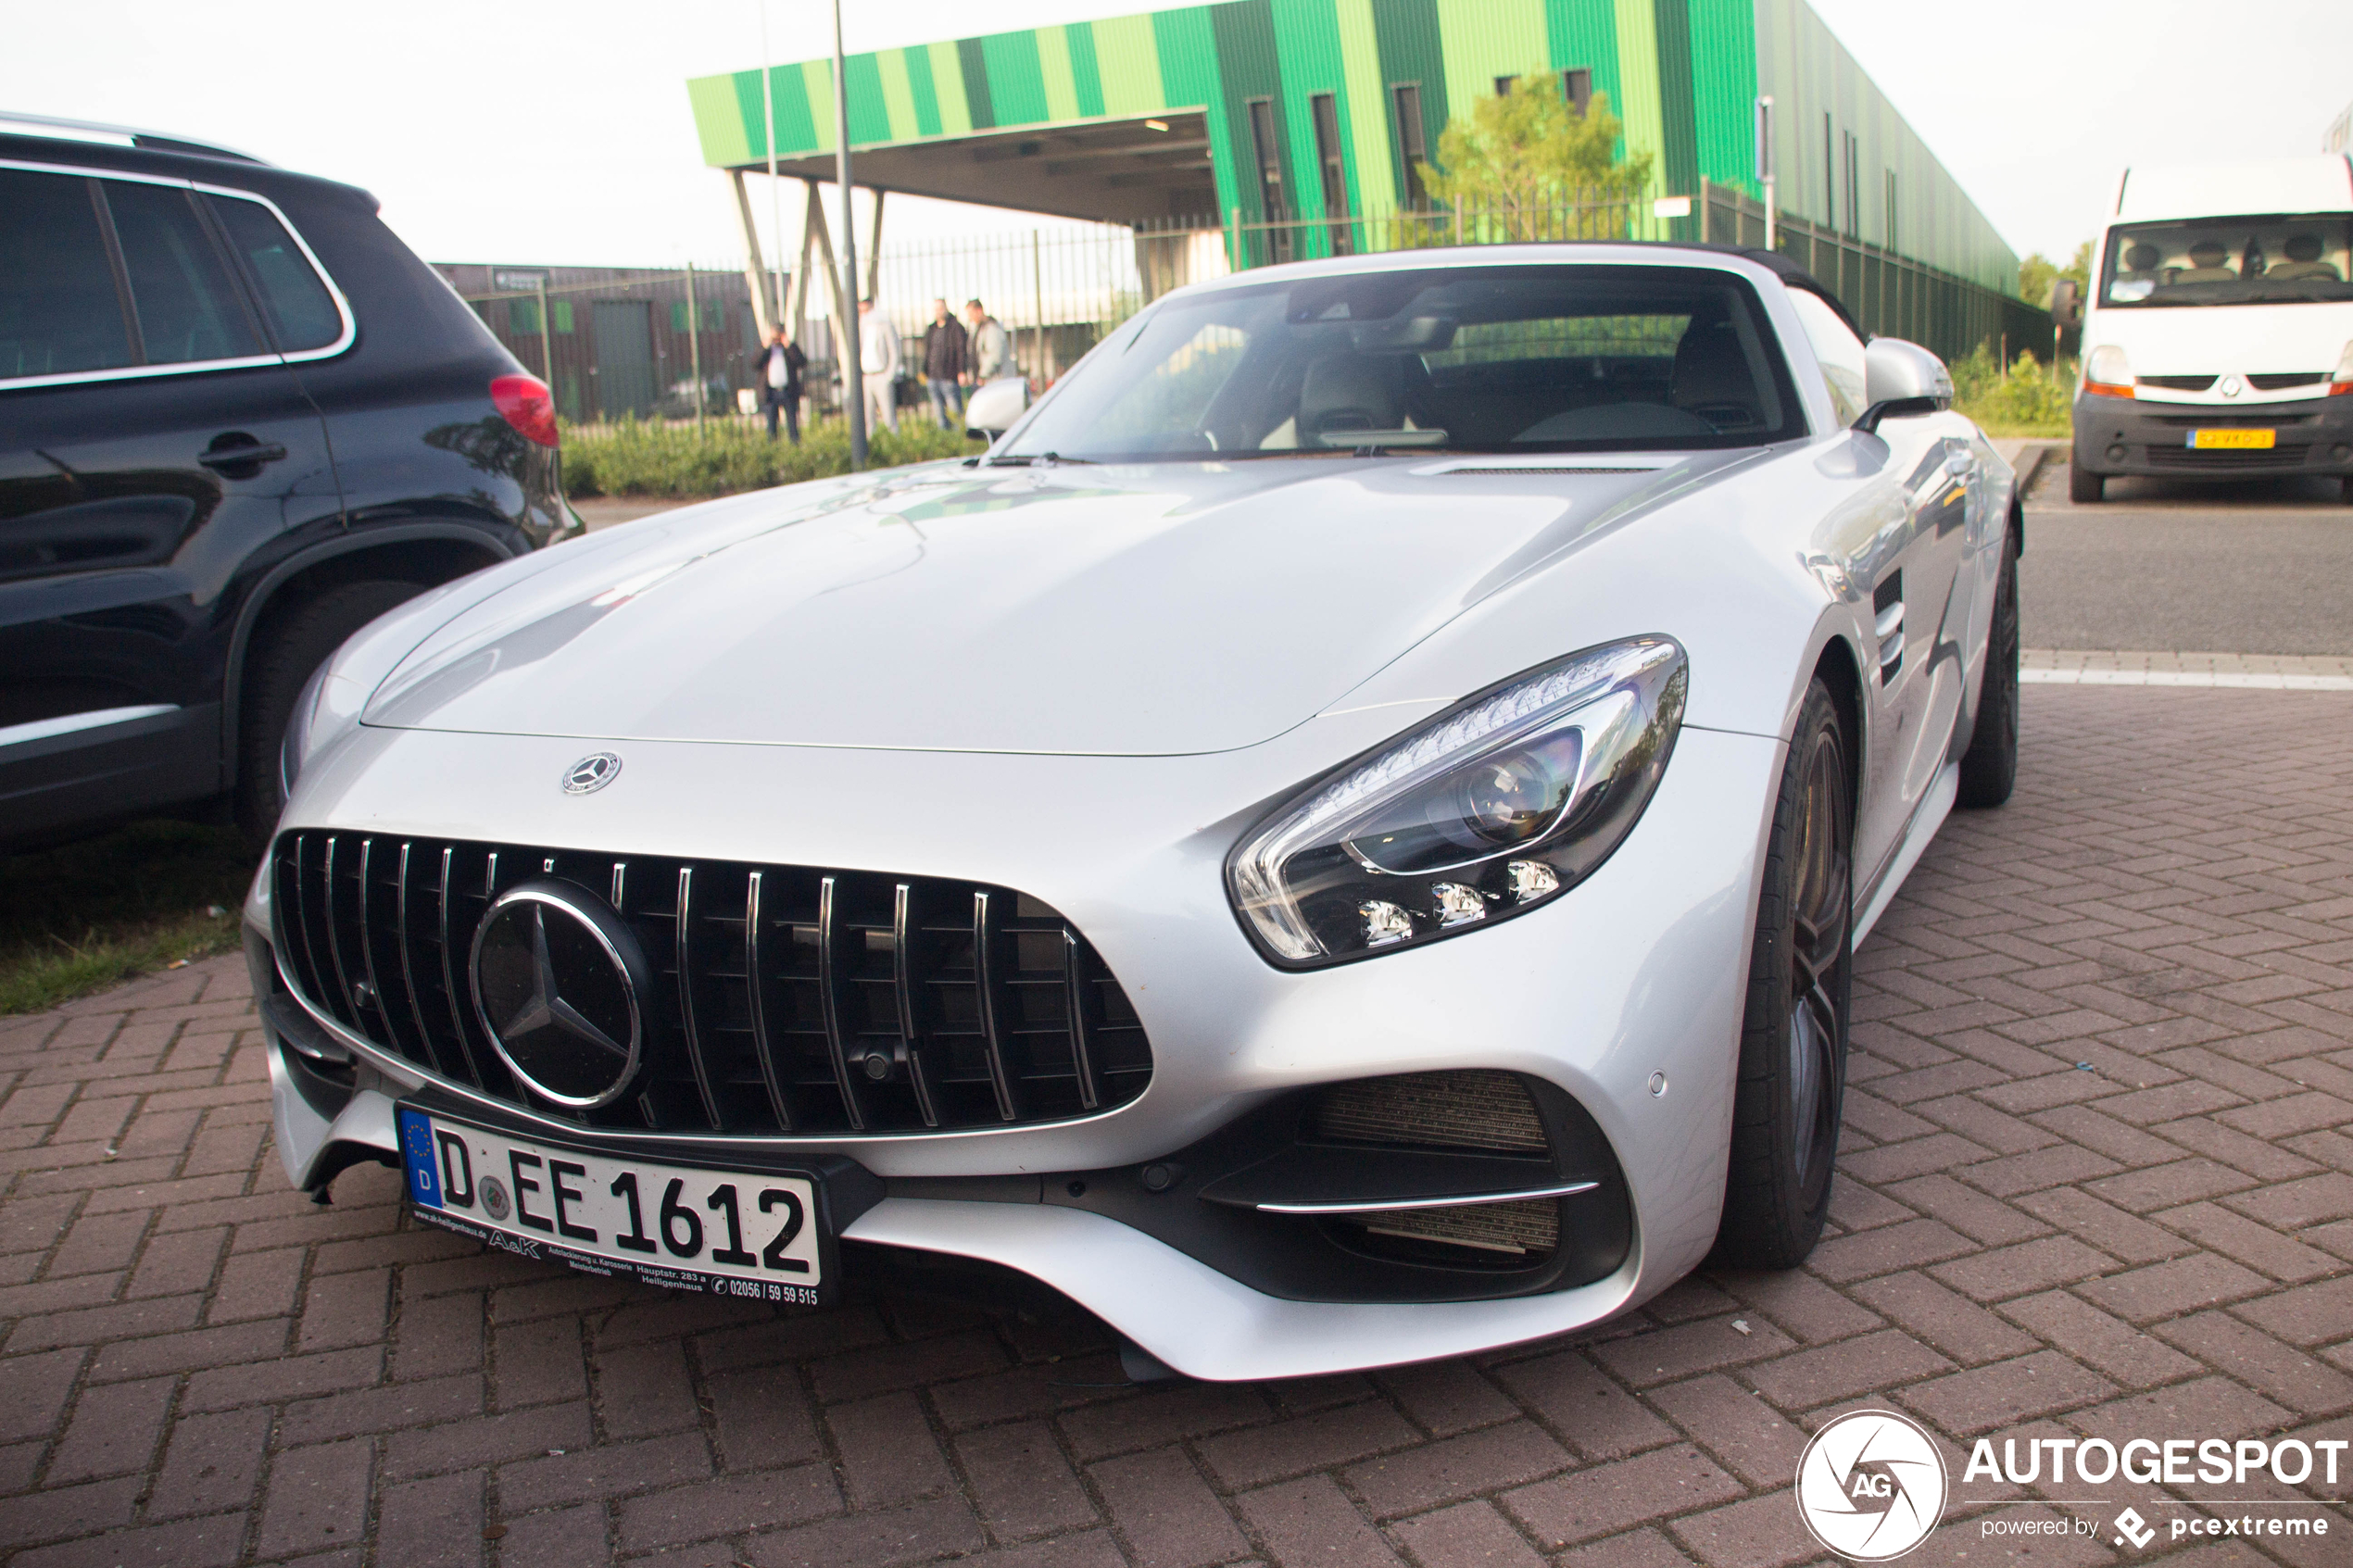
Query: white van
(2218, 340)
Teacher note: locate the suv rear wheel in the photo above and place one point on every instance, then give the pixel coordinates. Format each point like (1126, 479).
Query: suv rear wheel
(275, 673)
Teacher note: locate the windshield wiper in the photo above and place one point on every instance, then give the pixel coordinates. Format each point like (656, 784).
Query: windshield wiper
(1024, 459)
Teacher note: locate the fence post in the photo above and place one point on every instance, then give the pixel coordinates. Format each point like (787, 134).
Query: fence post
(547, 340)
(694, 341)
(1038, 282)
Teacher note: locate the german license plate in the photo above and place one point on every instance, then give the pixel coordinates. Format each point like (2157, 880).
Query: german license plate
(724, 1232)
(2233, 440)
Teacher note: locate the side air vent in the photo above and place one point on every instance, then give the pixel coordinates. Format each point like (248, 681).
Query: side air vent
(1483, 1110)
(786, 999)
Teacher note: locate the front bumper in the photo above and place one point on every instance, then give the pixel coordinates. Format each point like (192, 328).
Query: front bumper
(1637, 973)
(2134, 436)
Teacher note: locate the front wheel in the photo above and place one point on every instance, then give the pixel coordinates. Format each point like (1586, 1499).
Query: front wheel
(1794, 1038)
(2083, 486)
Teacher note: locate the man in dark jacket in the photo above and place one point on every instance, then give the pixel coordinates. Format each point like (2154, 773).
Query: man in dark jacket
(944, 363)
(776, 370)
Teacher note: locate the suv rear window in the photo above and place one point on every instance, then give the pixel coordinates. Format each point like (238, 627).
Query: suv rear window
(59, 311)
(302, 314)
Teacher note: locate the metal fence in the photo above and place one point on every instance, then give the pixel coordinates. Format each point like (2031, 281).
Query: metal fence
(616, 342)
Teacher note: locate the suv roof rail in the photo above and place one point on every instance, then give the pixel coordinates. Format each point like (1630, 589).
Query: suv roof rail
(15, 124)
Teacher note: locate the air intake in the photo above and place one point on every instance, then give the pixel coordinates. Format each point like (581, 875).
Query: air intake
(1486, 1111)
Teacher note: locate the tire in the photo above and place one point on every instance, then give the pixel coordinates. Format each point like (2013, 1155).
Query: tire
(1989, 768)
(276, 671)
(2083, 486)
(1792, 1062)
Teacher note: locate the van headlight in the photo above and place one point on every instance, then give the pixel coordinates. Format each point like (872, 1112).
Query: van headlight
(1500, 805)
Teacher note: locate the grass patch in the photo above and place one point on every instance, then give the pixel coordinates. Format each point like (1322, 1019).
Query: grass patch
(81, 917)
(727, 456)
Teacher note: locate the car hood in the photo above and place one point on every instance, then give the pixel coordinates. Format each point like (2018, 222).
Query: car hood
(1155, 610)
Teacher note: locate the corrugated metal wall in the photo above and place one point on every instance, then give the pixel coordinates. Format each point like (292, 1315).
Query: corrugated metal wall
(1683, 75)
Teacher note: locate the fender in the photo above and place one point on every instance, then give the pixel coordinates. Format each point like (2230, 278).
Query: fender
(451, 532)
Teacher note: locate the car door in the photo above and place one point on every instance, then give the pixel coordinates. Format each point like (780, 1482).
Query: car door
(149, 442)
(1899, 556)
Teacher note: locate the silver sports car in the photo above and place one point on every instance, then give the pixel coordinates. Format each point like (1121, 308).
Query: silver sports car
(1338, 841)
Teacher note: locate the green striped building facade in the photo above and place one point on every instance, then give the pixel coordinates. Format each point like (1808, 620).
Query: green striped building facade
(1319, 79)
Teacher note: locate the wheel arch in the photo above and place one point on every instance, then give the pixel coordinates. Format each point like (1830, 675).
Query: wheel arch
(427, 552)
(1836, 668)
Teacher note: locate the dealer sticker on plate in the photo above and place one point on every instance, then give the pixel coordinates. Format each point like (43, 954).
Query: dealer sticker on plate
(2233, 440)
(730, 1234)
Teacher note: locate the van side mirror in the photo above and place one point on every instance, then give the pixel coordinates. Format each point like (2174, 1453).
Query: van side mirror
(1901, 380)
(993, 409)
(2066, 302)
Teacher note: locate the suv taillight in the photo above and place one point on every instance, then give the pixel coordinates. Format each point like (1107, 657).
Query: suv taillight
(526, 402)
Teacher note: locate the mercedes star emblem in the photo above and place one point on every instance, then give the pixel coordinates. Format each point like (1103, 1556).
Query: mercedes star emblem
(556, 982)
(591, 773)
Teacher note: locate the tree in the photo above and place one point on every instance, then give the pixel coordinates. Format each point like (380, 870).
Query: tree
(2038, 272)
(1533, 167)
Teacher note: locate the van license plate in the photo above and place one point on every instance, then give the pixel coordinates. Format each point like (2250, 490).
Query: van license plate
(2233, 440)
(750, 1235)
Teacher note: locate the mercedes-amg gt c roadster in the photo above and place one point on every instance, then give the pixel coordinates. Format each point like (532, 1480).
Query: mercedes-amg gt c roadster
(1340, 840)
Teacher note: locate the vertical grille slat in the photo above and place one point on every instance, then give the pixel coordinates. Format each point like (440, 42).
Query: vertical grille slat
(988, 987)
(840, 1002)
(772, 1068)
(695, 1059)
(829, 998)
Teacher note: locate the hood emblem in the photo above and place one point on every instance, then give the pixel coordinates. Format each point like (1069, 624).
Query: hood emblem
(591, 773)
(2232, 387)
(557, 982)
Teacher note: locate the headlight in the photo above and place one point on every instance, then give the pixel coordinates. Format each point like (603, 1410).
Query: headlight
(295, 749)
(2341, 379)
(2108, 372)
(1508, 801)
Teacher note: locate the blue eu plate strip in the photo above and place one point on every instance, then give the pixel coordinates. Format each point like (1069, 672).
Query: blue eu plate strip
(416, 1153)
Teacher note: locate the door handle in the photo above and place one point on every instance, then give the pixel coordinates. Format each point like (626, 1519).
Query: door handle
(1959, 464)
(239, 457)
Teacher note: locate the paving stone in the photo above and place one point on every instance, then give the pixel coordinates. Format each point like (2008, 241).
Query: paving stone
(1020, 1480)
(1742, 1432)
(1466, 1534)
(1167, 1510)
(2128, 1355)
(1312, 1521)
(1456, 1467)
(888, 1454)
(2007, 1393)
(1586, 1410)
(1611, 1498)
(919, 1533)
(1944, 1319)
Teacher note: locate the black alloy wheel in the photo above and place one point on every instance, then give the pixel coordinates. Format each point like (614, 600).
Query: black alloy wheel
(1794, 1040)
(1989, 768)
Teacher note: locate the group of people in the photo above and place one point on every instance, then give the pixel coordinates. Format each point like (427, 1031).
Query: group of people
(955, 357)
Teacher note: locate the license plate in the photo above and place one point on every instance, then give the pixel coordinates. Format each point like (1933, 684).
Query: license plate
(753, 1235)
(2233, 440)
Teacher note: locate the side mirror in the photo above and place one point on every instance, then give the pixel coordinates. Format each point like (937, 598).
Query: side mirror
(2066, 302)
(1901, 380)
(992, 409)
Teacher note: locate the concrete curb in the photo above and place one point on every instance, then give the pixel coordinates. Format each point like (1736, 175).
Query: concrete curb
(2029, 455)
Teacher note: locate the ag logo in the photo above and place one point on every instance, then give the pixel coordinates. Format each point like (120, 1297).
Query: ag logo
(1872, 1486)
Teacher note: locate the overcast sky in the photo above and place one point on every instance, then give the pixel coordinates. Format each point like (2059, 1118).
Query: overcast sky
(562, 134)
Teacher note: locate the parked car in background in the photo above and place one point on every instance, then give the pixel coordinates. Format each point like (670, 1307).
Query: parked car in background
(238, 421)
(2218, 340)
(1340, 841)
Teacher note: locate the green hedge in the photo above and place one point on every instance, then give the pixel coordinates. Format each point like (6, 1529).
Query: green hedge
(656, 457)
(2029, 401)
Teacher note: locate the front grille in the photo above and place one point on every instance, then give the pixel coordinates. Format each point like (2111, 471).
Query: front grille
(2227, 456)
(1525, 1229)
(1473, 1110)
(773, 985)
(2179, 383)
(2279, 382)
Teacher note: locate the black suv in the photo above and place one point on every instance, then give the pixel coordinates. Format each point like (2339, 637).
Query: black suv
(239, 419)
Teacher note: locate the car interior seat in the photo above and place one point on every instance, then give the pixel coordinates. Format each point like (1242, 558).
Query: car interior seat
(2303, 253)
(1712, 377)
(1347, 392)
(2207, 258)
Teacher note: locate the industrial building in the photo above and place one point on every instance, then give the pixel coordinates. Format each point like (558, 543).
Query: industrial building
(1310, 111)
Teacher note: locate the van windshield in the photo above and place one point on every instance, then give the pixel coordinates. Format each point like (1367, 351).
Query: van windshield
(1480, 358)
(2256, 260)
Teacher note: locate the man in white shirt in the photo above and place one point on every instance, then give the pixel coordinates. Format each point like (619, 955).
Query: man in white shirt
(878, 361)
(992, 346)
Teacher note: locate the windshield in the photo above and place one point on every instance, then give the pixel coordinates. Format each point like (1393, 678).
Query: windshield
(1459, 358)
(2229, 261)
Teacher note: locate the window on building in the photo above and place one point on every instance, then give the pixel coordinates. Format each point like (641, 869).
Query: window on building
(1504, 85)
(561, 310)
(1406, 99)
(1890, 209)
(1334, 171)
(714, 316)
(1854, 186)
(1577, 86)
(522, 317)
(1267, 145)
(1829, 180)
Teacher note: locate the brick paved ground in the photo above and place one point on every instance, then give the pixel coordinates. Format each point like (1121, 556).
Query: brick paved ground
(2098, 1181)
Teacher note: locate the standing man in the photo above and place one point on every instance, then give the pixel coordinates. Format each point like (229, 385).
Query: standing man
(992, 346)
(776, 370)
(944, 365)
(879, 359)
